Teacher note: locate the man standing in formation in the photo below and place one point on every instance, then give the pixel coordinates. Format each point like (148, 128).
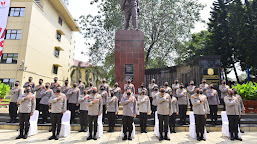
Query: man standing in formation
(112, 110)
(213, 100)
(144, 110)
(73, 95)
(38, 90)
(182, 103)
(83, 111)
(46, 95)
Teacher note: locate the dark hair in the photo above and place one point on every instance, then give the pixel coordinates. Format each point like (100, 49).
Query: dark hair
(18, 81)
(67, 80)
(41, 79)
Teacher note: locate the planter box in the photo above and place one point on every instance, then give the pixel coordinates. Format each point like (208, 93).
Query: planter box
(250, 106)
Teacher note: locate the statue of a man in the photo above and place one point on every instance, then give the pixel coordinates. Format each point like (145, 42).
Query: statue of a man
(131, 9)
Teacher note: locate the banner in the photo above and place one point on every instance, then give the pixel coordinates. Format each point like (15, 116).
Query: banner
(4, 10)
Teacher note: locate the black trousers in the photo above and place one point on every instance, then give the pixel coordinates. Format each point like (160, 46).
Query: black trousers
(233, 123)
(104, 112)
(13, 107)
(56, 123)
(172, 121)
(45, 112)
(91, 120)
(127, 122)
(83, 116)
(154, 111)
(38, 104)
(199, 125)
(151, 103)
(111, 119)
(213, 112)
(163, 127)
(24, 123)
(72, 108)
(182, 113)
(223, 103)
(191, 106)
(143, 121)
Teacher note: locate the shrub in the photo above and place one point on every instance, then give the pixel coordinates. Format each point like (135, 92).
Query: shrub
(4, 90)
(247, 91)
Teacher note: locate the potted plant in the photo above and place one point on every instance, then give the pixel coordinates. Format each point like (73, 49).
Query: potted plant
(4, 90)
(248, 92)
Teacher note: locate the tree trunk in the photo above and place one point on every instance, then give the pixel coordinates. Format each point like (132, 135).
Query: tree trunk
(237, 78)
(226, 75)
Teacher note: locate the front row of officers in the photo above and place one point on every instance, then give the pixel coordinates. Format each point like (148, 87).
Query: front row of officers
(91, 106)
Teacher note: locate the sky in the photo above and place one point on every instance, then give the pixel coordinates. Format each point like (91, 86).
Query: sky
(83, 7)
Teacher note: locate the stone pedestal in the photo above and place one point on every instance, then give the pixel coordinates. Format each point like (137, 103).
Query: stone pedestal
(129, 57)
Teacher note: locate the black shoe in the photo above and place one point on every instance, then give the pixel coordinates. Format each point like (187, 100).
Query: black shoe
(145, 131)
(95, 138)
(125, 137)
(81, 130)
(242, 131)
(161, 138)
(198, 138)
(129, 138)
(52, 137)
(174, 131)
(237, 138)
(212, 123)
(9, 121)
(142, 131)
(110, 130)
(19, 137)
(89, 138)
(166, 138)
(25, 136)
(203, 139)
(13, 121)
(50, 130)
(57, 137)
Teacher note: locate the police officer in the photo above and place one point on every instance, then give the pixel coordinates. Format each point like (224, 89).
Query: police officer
(155, 94)
(46, 93)
(144, 110)
(235, 94)
(15, 93)
(204, 86)
(167, 88)
(58, 104)
(129, 112)
(117, 91)
(104, 96)
(106, 86)
(142, 87)
(30, 84)
(175, 87)
(223, 90)
(27, 103)
(73, 101)
(112, 110)
(213, 100)
(233, 111)
(55, 84)
(65, 90)
(190, 91)
(129, 85)
(164, 111)
(95, 107)
(182, 103)
(38, 90)
(83, 111)
(174, 111)
(201, 109)
(81, 87)
(89, 89)
(151, 89)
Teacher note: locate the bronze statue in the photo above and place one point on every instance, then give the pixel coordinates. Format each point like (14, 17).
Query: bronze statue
(131, 9)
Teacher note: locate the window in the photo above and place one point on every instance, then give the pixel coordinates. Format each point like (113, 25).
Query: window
(17, 12)
(60, 21)
(59, 36)
(55, 69)
(13, 34)
(56, 52)
(7, 81)
(9, 58)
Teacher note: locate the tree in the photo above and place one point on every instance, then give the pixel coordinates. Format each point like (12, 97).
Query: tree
(165, 23)
(77, 70)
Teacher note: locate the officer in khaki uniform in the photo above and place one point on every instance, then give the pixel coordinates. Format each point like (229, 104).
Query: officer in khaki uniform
(95, 107)
(81, 87)
(30, 84)
(46, 95)
(14, 93)
(223, 91)
(27, 103)
(190, 92)
(58, 104)
(175, 87)
(155, 94)
(164, 111)
(106, 86)
(144, 110)
(233, 110)
(182, 103)
(213, 100)
(55, 84)
(235, 94)
(83, 111)
(38, 90)
(151, 90)
(174, 111)
(130, 86)
(167, 88)
(142, 87)
(117, 91)
(112, 110)
(204, 86)
(105, 96)
(89, 89)
(73, 95)
(129, 112)
(201, 109)
(130, 8)
(65, 90)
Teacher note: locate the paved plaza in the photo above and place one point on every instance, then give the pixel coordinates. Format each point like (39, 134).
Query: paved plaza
(8, 137)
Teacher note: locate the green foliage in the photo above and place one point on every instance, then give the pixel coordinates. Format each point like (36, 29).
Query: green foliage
(247, 91)
(4, 90)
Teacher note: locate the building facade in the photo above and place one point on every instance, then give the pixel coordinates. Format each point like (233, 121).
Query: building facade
(38, 42)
